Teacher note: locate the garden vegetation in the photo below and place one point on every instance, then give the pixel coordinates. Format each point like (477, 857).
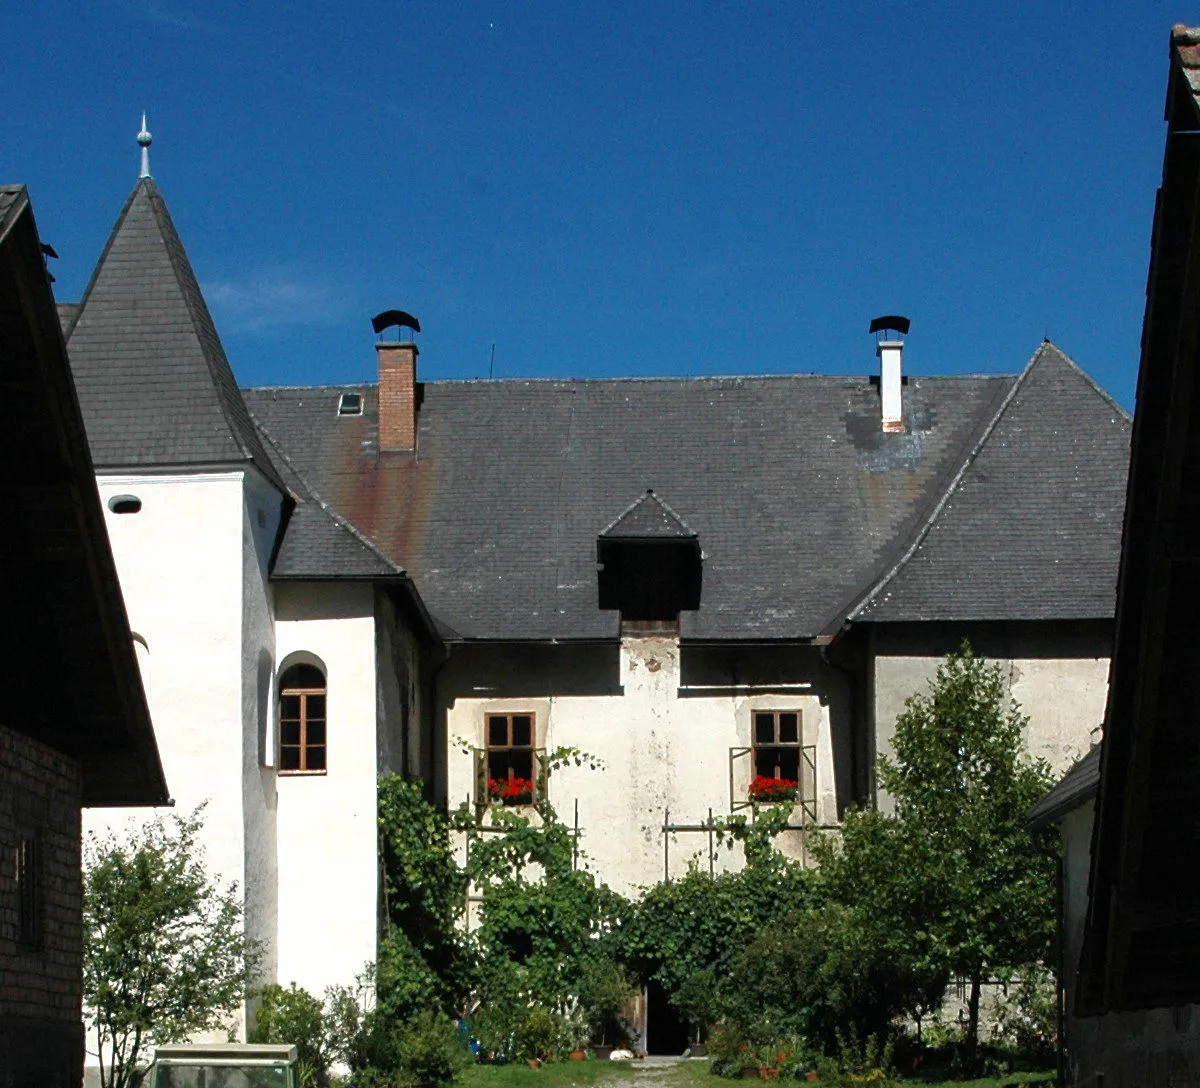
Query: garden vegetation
(779, 968)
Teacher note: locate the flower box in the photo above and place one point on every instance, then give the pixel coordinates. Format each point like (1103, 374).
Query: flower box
(511, 791)
(772, 790)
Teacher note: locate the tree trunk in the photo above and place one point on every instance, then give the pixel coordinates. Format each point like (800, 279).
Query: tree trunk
(972, 1039)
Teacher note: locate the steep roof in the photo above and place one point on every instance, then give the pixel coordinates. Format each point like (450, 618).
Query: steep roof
(1076, 787)
(154, 384)
(1031, 526)
(797, 496)
(64, 629)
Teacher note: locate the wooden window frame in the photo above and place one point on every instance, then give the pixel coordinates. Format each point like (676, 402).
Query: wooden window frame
(757, 746)
(491, 749)
(304, 746)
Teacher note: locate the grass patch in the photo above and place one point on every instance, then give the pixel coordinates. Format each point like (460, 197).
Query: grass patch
(690, 1074)
(552, 1075)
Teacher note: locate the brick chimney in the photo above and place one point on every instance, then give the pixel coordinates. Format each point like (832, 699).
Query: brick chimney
(397, 395)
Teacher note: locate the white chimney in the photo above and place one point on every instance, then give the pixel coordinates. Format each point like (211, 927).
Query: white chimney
(890, 355)
(890, 349)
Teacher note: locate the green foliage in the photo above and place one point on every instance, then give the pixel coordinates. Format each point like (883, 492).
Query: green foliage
(295, 1016)
(953, 882)
(322, 1032)
(1027, 1015)
(548, 935)
(424, 961)
(424, 1052)
(164, 952)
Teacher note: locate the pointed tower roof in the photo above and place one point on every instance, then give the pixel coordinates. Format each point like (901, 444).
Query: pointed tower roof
(648, 518)
(1030, 526)
(154, 384)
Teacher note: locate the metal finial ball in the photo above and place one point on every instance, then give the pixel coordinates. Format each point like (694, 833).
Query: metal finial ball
(143, 138)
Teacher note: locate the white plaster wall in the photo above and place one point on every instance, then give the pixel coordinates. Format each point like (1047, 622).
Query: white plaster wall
(261, 513)
(1064, 698)
(326, 824)
(179, 561)
(180, 564)
(661, 750)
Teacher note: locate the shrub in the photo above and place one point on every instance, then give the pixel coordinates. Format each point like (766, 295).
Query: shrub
(1027, 1016)
(426, 1052)
(295, 1016)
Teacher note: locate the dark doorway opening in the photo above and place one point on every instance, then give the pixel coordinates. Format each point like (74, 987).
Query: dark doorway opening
(666, 1032)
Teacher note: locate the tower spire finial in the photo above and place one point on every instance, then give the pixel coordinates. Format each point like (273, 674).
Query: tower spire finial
(143, 138)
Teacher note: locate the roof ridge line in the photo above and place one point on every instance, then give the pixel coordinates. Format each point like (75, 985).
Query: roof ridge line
(112, 237)
(199, 315)
(1096, 386)
(651, 494)
(321, 504)
(926, 528)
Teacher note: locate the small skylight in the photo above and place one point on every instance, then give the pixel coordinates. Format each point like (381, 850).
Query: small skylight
(350, 404)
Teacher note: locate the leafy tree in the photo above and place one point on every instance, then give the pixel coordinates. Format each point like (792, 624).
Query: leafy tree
(547, 930)
(424, 962)
(687, 933)
(953, 877)
(164, 953)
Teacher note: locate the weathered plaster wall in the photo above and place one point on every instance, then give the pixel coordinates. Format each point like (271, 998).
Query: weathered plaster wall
(1057, 674)
(326, 822)
(402, 747)
(665, 744)
(41, 1025)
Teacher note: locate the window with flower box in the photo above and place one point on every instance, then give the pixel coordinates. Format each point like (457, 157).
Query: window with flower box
(780, 766)
(511, 769)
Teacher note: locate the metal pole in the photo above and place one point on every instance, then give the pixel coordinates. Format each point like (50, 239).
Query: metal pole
(575, 840)
(666, 845)
(711, 859)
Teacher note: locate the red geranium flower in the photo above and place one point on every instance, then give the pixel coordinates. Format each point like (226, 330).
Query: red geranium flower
(770, 788)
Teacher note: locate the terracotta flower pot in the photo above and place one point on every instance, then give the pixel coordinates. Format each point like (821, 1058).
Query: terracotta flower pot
(577, 1055)
(812, 1075)
(768, 1072)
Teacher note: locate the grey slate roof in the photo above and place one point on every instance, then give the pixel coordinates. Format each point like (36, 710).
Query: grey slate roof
(1031, 528)
(648, 518)
(12, 202)
(798, 498)
(1076, 787)
(154, 384)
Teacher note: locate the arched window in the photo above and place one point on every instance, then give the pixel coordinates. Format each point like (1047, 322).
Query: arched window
(302, 720)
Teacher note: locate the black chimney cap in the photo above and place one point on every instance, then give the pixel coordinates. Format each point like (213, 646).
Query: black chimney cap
(394, 319)
(892, 322)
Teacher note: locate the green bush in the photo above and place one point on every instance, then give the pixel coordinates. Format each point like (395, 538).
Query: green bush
(295, 1016)
(1027, 1016)
(425, 1052)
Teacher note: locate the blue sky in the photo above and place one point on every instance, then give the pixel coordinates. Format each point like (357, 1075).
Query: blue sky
(608, 190)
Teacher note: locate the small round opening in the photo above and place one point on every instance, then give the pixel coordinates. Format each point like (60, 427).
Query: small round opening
(124, 504)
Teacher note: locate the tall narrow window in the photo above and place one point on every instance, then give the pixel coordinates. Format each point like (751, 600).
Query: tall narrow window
(510, 758)
(302, 720)
(29, 893)
(776, 748)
